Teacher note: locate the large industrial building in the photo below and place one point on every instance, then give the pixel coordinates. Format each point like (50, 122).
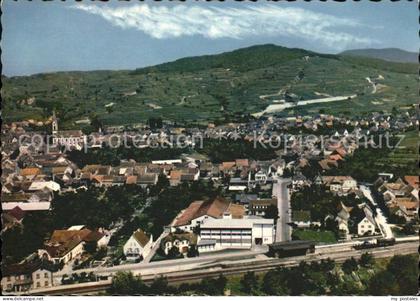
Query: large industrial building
(226, 233)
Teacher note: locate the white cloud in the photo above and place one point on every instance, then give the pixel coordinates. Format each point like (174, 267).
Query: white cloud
(212, 22)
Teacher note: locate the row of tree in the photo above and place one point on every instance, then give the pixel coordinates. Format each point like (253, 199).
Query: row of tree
(317, 278)
(125, 283)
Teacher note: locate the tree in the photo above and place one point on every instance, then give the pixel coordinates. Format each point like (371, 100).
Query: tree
(173, 252)
(408, 229)
(162, 183)
(404, 269)
(366, 260)
(347, 288)
(91, 247)
(192, 251)
(349, 266)
(297, 282)
(95, 122)
(383, 284)
(396, 219)
(159, 286)
(109, 109)
(249, 283)
(155, 123)
(401, 265)
(272, 212)
(332, 225)
(287, 173)
(125, 283)
(327, 265)
(275, 283)
(213, 287)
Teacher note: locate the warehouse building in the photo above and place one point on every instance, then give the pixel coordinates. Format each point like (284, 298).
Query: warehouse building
(228, 233)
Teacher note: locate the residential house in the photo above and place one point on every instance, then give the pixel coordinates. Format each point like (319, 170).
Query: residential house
(12, 217)
(261, 177)
(392, 191)
(327, 164)
(138, 245)
(340, 184)
(147, 179)
(259, 207)
(66, 245)
(244, 199)
(299, 181)
(25, 276)
(367, 224)
(177, 176)
(406, 208)
(413, 181)
(342, 219)
(41, 185)
(34, 201)
(182, 241)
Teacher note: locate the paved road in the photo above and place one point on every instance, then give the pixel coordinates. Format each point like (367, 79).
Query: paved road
(379, 218)
(155, 247)
(281, 192)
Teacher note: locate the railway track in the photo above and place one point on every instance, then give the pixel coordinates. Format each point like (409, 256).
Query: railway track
(233, 269)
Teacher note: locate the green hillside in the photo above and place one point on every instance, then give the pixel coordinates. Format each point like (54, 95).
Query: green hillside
(212, 88)
(387, 54)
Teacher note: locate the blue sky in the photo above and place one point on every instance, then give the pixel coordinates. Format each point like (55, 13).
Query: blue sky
(55, 36)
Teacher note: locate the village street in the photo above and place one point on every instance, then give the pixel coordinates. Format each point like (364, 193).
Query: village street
(281, 192)
(379, 218)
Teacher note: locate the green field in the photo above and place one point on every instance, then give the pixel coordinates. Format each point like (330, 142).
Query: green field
(211, 88)
(318, 236)
(408, 152)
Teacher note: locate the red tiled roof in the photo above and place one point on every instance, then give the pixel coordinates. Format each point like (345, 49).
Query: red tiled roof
(228, 165)
(63, 241)
(62, 236)
(242, 162)
(412, 180)
(30, 171)
(336, 157)
(131, 180)
(214, 208)
(175, 175)
(236, 210)
(341, 151)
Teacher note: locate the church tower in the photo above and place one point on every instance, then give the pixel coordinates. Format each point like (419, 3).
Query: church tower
(54, 124)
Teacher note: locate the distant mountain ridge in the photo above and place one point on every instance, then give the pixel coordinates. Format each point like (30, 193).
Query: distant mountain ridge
(387, 54)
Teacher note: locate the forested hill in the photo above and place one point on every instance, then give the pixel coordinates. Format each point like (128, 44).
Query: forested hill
(218, 88)
(244, 59)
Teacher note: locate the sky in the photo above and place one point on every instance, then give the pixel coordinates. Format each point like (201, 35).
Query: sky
(53, 36)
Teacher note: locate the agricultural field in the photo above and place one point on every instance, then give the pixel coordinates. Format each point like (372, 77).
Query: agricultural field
(407, 153)
(216, 88)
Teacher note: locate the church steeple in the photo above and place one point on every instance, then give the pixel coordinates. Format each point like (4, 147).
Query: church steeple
(54, 124)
